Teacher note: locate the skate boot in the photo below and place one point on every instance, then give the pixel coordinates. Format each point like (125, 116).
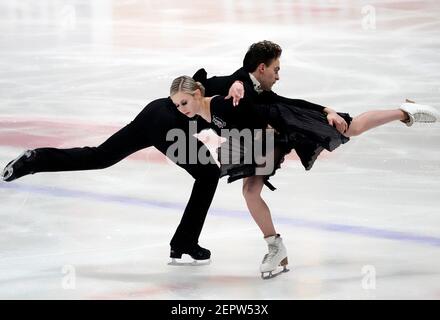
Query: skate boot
(200, 255)
(19, 167)
(277, 256)
(419, 113)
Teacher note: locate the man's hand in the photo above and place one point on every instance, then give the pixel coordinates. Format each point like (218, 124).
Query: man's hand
(336, 120)
(236, 92)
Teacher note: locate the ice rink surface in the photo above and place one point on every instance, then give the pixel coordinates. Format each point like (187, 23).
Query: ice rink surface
(364, 223)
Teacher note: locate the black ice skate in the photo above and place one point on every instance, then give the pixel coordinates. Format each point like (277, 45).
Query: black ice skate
(200, 255)
(19, 167)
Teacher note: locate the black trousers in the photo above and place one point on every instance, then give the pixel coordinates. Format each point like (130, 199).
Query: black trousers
(148, 129)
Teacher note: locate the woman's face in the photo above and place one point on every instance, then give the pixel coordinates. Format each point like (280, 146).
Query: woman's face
(186, 103)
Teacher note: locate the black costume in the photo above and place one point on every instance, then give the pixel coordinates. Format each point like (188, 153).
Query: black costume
(148, 129)
(300, 125)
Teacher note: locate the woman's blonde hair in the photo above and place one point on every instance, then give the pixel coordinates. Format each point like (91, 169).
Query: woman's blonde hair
(187, 85)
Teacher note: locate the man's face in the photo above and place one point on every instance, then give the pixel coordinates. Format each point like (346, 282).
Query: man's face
(269, 75)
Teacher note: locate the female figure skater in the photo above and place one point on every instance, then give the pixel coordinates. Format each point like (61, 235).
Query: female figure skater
(148, 129)
(307, 130)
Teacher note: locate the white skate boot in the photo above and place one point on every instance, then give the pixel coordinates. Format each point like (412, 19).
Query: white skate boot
(277, 256)
(419, 113)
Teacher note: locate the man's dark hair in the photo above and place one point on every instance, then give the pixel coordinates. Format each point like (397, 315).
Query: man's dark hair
(260, 52)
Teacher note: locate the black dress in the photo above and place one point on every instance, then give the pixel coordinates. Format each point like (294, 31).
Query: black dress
(305, 130)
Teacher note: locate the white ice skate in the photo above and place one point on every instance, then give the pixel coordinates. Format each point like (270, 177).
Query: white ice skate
(419, 113)
(277, 256)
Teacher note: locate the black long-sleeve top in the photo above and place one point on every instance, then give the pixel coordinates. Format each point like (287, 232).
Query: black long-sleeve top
(220, 86)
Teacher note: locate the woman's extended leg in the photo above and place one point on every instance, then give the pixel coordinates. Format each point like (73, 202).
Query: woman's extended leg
(408, 113)
(372, 119)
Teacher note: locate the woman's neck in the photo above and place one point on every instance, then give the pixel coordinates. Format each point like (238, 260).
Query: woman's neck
(205, 109)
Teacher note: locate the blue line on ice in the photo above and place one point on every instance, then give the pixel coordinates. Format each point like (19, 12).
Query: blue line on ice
(295, 222)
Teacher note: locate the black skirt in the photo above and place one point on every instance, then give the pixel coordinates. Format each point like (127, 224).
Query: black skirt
(305, 130)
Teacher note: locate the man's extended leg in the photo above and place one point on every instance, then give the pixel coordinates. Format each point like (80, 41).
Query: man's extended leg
(126, 141)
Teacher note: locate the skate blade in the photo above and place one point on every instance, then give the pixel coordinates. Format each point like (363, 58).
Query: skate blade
(195, 263)
(271, 274)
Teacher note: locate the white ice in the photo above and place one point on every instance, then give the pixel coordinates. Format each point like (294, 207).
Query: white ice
(364, 223)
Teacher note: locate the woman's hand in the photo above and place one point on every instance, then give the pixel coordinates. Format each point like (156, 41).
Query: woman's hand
(336, 120)
(236, 92)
